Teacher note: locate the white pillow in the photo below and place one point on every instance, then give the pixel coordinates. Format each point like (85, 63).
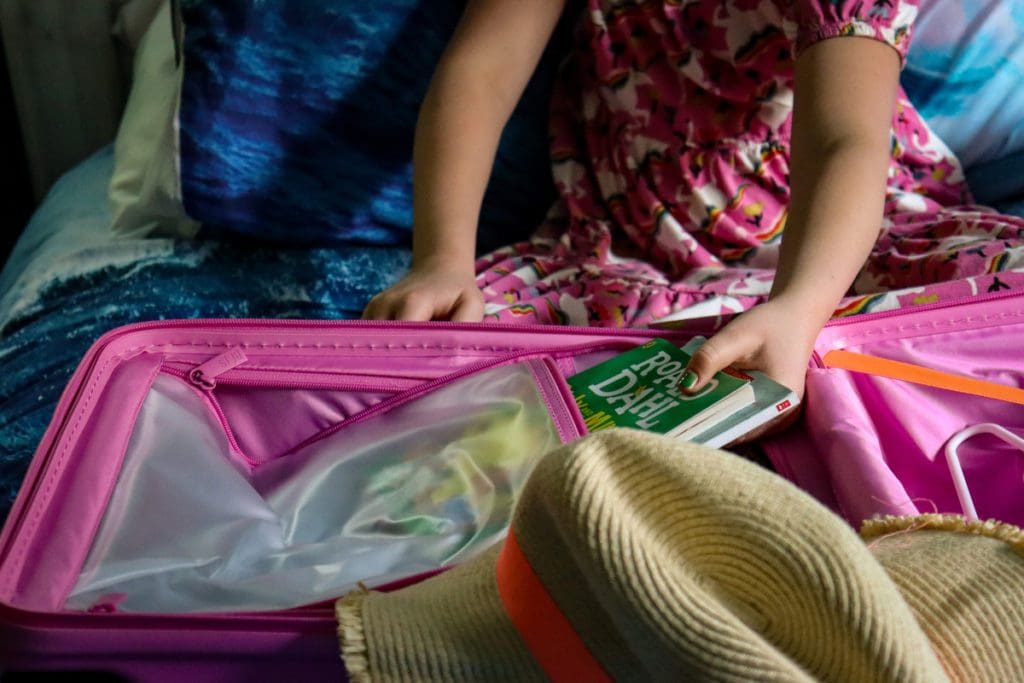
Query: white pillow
(145, 191)
(133, 18)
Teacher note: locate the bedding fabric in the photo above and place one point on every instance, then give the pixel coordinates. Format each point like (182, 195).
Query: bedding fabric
(964, 72)
(71, 279)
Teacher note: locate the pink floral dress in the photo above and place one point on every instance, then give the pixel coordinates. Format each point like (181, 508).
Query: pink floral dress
(670, 149)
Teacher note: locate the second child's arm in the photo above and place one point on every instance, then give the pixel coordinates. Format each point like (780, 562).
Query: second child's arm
(478, 82)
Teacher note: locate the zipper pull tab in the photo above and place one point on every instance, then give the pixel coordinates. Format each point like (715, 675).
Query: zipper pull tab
(205, 375)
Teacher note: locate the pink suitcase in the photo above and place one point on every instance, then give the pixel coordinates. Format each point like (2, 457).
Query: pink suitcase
(206, 488)
(270, 399)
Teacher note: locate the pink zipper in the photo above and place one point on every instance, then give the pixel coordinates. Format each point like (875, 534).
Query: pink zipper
(288, 379)
(868, 318)
(204, 383)
(558, 396)
(263, 323)
(553, 388)
(39, 466)
(566, 422)
(923, 308)
(206, 375)
(204, 388)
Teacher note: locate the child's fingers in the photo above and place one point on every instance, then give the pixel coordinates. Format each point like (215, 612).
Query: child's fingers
(416, 301)
(468, 309)
(415, 306)
(717, 353)
(376, 309)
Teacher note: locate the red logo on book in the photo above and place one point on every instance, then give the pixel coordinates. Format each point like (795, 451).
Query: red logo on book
(782, 406)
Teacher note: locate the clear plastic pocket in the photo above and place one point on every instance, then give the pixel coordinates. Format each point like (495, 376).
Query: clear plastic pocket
(421, 481)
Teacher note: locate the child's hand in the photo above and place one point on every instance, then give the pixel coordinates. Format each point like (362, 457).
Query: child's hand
(774, 338)
(429, 293)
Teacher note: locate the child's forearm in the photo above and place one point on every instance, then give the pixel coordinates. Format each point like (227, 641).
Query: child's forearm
(456, 139)
(845, 94)
(481, 77)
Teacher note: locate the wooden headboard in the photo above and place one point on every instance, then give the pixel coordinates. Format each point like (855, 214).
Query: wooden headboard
(70, 69)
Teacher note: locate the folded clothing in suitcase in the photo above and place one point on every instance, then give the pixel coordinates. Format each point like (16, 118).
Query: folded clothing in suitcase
(206, 488)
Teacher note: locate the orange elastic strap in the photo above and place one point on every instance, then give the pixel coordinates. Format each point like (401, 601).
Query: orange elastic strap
(548, 634)
(858, 362)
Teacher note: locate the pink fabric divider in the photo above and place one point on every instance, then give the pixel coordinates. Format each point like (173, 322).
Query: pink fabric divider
(872, 445)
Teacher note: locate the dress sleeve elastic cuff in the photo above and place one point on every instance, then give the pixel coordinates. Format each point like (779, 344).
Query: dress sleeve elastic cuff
(897, 37)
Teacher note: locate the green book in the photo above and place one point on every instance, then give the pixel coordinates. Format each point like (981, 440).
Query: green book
(640, 389)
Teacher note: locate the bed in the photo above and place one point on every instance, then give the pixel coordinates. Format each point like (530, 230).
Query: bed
(71, 276)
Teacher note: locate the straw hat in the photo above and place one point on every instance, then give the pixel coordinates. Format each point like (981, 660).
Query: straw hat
(635, 557)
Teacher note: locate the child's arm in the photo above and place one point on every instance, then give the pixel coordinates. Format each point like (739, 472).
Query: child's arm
(478, 81)
(845, 94)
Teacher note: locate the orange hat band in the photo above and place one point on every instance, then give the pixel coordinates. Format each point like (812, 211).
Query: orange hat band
(548, 634)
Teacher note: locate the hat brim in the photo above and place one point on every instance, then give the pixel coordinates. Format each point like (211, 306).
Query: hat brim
(451, 627)
(964, 580)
